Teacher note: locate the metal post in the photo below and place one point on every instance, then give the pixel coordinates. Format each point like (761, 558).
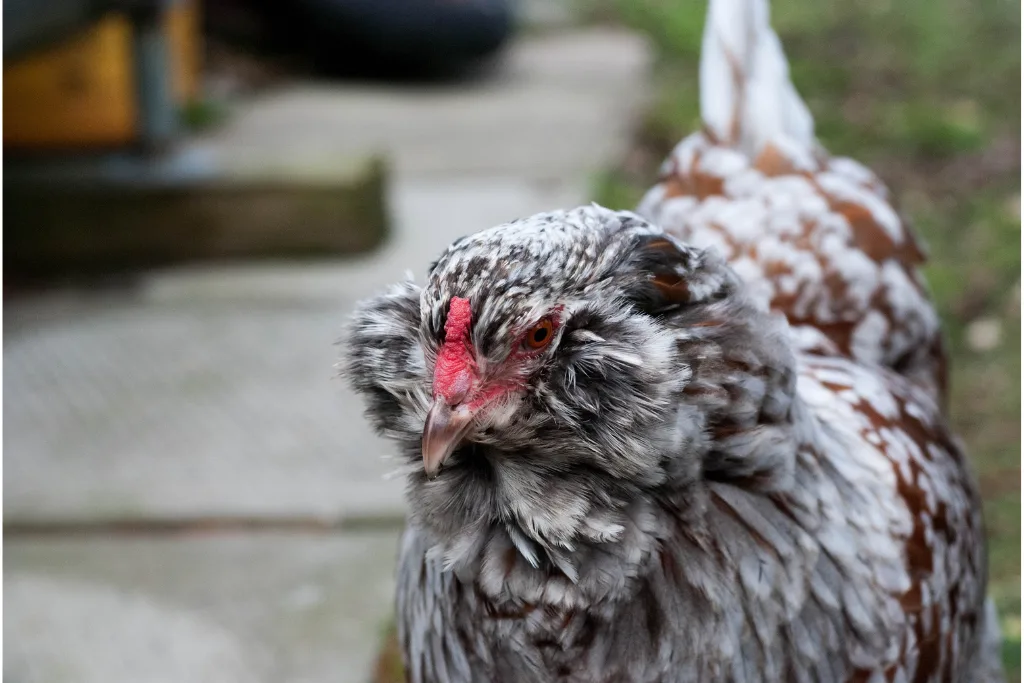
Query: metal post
(158, 115)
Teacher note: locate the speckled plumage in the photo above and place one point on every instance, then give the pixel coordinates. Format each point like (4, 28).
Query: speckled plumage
(815, 238)
(715, 469)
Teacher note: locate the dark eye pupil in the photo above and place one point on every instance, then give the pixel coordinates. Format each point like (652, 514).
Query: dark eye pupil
(540, 335)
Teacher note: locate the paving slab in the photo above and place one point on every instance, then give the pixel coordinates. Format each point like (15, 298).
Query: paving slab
(557, 105)
(253, 608)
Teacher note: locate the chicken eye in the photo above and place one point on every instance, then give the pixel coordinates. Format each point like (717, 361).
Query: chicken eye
(540, 335)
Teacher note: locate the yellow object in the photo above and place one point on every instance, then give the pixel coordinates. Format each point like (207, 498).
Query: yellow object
(82, 92)
(183, 35)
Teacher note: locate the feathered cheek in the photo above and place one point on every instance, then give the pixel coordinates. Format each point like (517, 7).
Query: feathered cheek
(502, 413)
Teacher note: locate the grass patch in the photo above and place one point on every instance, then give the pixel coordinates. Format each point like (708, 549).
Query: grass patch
(203, 114)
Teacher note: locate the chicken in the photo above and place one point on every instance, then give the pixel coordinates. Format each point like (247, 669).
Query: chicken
(700, 442)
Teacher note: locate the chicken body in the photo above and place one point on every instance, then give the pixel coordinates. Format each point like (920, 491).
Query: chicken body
(670, 490)
(815, 238)
(702, 442)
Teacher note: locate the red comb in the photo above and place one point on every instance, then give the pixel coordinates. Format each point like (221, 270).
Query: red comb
(454, 369)
(459, 316)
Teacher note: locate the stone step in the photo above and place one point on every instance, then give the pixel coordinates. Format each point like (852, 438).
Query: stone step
(123, 212)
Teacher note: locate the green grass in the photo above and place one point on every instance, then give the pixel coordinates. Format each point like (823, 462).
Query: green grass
(202, 114)
(927, 93)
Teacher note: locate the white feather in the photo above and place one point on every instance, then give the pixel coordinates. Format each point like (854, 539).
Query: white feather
(746, 96)
(523, 545)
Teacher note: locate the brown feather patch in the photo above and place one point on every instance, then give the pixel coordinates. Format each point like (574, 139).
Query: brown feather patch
(673, 287)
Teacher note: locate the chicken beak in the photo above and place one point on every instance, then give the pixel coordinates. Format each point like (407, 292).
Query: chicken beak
(442, 432)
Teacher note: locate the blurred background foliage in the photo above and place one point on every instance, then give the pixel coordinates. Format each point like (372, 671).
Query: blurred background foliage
(926, 93)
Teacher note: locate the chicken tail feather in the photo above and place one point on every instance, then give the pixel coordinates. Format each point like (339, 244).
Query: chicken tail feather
(746, 96)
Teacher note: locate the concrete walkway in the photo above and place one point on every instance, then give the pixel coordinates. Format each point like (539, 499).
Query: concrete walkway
(190, 495)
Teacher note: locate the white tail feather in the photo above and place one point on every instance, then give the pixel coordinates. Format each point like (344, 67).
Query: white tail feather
(746, 96)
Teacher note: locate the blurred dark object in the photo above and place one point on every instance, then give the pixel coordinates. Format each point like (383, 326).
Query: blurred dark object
(100, 74)
(100, 178)
(393, 39)
(29, 24)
